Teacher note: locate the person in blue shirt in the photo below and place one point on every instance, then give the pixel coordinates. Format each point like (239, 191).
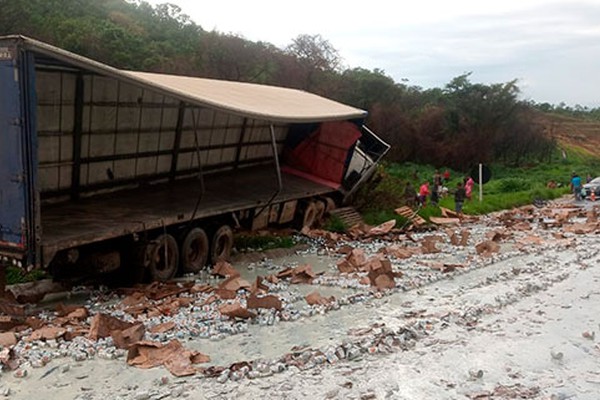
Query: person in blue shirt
(576, 186)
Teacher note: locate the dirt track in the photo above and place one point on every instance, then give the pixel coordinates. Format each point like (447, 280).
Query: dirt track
(519, 323)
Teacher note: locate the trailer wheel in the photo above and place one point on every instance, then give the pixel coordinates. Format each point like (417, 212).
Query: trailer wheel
(164, 258)
(194, 251)
(320, 212)
(329, 205)
(310, 215)
(221, 244)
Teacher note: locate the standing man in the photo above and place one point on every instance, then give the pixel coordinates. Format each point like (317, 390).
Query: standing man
(576, 186)
(423, 193)
(459, 198)
(446, 176)
(410, 195)
(435, 195)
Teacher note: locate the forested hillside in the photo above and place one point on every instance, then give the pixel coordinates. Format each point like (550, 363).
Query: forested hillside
(461, 123)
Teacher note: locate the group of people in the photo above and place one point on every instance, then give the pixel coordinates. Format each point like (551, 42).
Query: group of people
(463, 191)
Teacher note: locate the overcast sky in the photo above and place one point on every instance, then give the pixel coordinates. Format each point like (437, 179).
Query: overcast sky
(551, 47)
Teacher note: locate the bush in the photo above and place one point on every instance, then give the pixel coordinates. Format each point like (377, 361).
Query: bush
(509, 185)
(19, 275)
(335, 224)
(430, 211)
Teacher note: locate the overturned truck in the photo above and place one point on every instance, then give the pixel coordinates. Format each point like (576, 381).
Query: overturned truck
(104, 168)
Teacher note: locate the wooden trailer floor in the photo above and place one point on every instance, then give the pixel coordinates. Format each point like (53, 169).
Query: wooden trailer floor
(75, 223)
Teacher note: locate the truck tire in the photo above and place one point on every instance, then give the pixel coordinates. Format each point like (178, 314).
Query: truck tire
(329, 204)
(320, 212)
(309, 217)
(164, 258)
(221, 244)
(194, 251)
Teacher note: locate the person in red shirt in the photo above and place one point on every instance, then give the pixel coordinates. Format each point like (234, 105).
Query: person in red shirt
(469, 183)
(423, 193)
(446, 176)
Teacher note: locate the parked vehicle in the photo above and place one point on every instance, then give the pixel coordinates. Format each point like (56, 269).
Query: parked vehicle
(102, 168)
(592, 186)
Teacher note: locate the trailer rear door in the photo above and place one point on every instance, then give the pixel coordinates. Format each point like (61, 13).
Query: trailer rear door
(16, 185)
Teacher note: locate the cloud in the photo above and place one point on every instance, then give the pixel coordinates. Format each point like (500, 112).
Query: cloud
(551, 47)
(554, 51)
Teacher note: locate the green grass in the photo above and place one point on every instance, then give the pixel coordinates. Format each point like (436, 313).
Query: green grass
(18, 275)
(263, 242)
(381, 216)
(503, 201)
(335, 224)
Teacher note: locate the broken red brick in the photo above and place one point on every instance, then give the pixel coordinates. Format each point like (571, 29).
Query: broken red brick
(225, 270)
(345, 249)
(382, 281)
(102, 325)
(258, 286)
(382, 229)
(7, 322)
(159, 290)
(235, 310)
(300, 274)
(315, 298)
(134, 299)
(444, 220)
(225, 294)
(397, 251)
(269, 301)
(46, 333)
(162, 328)
(7, 358)
(125, 338)
(173, 356)
(201, 288)
(235, 283)
(487, 247)
(8, 339)
(428, 244)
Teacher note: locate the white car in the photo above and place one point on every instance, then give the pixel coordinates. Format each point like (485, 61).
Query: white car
(593, 185)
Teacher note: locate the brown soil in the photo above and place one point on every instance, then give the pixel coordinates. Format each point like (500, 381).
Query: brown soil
(572, 132)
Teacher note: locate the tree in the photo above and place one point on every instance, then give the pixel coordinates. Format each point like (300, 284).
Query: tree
(316, 57)
(316, 52)
(234, 58)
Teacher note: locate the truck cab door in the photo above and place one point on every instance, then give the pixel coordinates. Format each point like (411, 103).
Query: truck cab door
(367, 153)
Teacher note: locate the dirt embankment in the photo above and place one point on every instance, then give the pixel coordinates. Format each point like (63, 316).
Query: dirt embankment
(572, 132)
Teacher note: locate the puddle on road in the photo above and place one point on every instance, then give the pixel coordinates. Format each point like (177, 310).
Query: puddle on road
(319, 263)
(273, 341)
(333, 328)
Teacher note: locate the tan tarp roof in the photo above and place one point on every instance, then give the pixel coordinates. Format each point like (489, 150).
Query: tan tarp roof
(271, 103)
(260, 101)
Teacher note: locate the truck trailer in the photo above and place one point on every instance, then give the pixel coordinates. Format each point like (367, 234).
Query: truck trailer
(103, 168)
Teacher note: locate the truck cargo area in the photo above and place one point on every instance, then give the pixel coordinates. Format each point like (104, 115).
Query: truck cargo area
(75, 223)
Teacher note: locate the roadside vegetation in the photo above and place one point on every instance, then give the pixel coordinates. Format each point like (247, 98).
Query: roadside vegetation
(509, 187)
(19, 275)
